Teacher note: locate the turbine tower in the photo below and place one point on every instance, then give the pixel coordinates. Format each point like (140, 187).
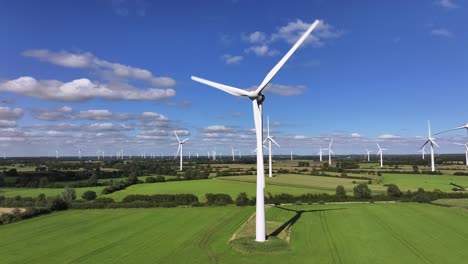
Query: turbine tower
(432, 142)
(180, 148)
(368, 154)
(257, 98)
(466, 151)
(380, 153)
(269, 139)
(79, 153)
(320, 153)
(233, 153)
(56, 154)
(330, 152)
(423, 151)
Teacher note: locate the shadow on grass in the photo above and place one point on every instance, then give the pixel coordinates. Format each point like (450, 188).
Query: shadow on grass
(296, 217)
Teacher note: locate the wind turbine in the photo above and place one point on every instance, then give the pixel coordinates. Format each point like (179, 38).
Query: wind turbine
(330, 152)
(233, 153)
(270, 139)
(180, 148)
(291, 155)
(320, 153)
(368, 154)
(423, 151)
(79, 153)
(380, 153)
(432, 142)
(466, 151)
(56, 154)
(257, 100)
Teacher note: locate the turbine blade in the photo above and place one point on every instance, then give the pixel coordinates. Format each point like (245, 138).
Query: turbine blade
(433, 142)
(175, 133)
(228, 89)
(452, 129)
(280, 64)
(272, 140)
(183, 141)
(425, 144)
(178, 149)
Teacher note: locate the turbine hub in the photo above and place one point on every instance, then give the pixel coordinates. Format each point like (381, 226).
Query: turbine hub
(260, 98)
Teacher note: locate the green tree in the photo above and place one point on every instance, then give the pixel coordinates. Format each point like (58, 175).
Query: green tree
(93, 181)
(58, 204)
(89, 195)
(151, 180)
(340, 191)
(393, 191)
(362, 191)
(69, 194)
(242, 199)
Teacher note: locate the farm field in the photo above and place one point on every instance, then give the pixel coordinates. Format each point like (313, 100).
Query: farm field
(318, 183)
(462, 203)
(345, 233)
(202, 187)
(427, 182)
(49, 192)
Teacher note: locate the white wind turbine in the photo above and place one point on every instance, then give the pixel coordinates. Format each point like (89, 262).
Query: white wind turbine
(380, 153)
(233, 153)
(56, 154)
(180, 148)
(432, 142)
(423, 151)
(321, 153)
(270, 139)
(466, 151)
(79, 153)
(257, 100)
(330, 152)
(368, 154)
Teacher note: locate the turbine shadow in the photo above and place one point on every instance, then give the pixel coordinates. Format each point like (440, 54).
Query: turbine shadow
(296, 217)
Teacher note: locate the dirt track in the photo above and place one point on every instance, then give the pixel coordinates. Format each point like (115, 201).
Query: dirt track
(9, 210)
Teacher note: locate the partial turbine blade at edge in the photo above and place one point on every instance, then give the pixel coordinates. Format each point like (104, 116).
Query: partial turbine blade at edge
(228, 89)
(280, 64)
(272, 140)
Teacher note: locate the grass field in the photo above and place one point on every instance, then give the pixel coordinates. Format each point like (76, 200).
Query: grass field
(202, 187)
(358, 233)
(49, 192)
(428, 182)
(315, 183)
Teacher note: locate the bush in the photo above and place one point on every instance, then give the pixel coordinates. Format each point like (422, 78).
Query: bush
(58, 204)
(196, 204)
(218, 199)
(104, 200)
(340, 191)
(393, 190)
(89, 195)
(160, 178)
(242, 199)
(69, 194)
(150, 180)
(362, 191)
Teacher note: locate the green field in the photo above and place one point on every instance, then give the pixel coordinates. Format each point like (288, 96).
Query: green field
(315, 183)
(202, 187)
(428, 182)
(358, 233)
(49, 192)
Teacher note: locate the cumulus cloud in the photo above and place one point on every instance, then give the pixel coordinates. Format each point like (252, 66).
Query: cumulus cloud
(102, 67)
(356, 135)
(7, 123)
(95, 127)
(231, 59)
(261, 50)
(441, 32)
(80, 90)
(10, 113)
(300, 137)
(448, 4)
(217, 128)
(256, 37)
(389, 136)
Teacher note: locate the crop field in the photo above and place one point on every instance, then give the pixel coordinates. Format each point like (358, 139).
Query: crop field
(345, 233)
(49, 192)
(462, 203)
(202, 187)
(428, 182)
(315, 183)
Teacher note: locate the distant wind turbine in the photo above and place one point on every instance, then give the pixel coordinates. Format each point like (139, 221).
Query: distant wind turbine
(380, 153)
(368, 154)
(431, 142)
(180, 148)
(270, 139)
(330, 152)
(233, 152)
(423, 151)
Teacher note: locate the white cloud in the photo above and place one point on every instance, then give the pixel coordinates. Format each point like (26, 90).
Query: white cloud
(257, 37)
(217, 128)
(300, 137)
(62, 113)
(230, 59)
(103, 67)
(95, 127)
(261, 50)
(285, 90)
(389, 136)
(80, 90)
(448, 4)
(154, 115)
(441, 32)
(10, 113)
(7, 123)
(356, 135)
(293, 30)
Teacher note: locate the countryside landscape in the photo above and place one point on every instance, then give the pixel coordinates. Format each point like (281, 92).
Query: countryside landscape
(124, 137)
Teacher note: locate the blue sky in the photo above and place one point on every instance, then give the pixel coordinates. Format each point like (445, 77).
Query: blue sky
(105, 75)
